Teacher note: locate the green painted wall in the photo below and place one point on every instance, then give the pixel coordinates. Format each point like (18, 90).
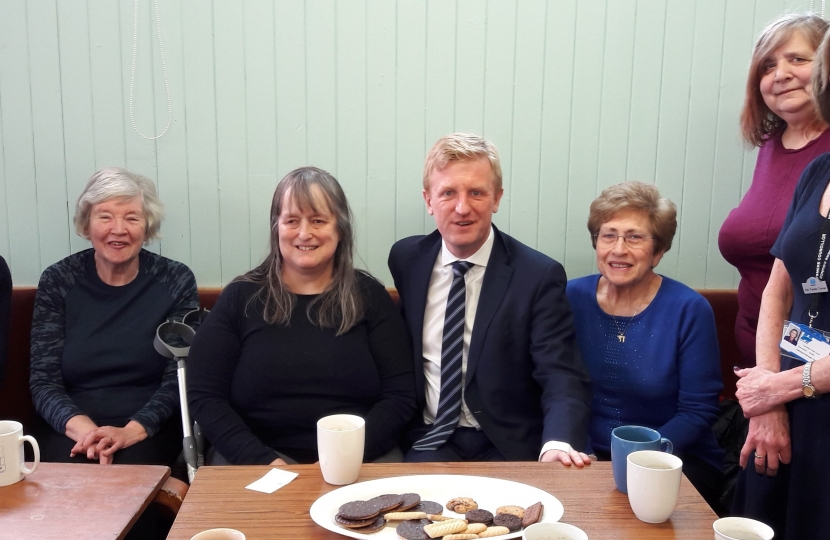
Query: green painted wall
(577, 95)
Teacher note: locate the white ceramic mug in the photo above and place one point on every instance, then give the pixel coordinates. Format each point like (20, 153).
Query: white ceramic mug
(340, 440)
(551, 531)
(653, 484)
(12, 467)
(738, 528)
(219, 534)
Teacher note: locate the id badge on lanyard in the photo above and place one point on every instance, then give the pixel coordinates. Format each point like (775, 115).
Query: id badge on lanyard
(816, 286)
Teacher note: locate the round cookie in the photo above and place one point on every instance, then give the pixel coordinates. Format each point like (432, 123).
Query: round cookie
(514, 523)
(413, 529)
(408, 501)
(429, 507)
(479, 516)
(358, 510)
(517, 511)
(352, 523)
(375, 526)
(460, 505)
(387, 502)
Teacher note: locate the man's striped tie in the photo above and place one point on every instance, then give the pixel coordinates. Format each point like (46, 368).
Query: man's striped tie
(452, 346)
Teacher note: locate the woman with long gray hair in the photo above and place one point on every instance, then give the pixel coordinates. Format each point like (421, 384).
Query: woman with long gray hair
(301, 336)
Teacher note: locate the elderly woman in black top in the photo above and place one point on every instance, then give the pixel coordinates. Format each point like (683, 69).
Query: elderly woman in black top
(95, 377)
(301, 336)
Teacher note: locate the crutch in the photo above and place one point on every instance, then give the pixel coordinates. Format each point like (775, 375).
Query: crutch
(173, 340)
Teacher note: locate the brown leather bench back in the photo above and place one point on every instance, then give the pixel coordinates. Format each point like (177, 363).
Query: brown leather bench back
(16, 401)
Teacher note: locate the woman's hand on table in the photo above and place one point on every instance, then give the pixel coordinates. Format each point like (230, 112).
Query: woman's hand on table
(768, 441)
(566, 458)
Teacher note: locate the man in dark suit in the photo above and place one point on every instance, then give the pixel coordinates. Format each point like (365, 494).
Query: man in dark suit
(498, 374)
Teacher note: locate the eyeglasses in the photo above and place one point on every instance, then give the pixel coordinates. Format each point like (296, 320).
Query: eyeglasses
(633, 239)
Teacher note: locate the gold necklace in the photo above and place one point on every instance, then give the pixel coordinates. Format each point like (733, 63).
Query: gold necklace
(621, 333)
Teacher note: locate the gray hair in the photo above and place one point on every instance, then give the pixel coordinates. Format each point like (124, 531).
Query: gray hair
(116, 183)
(459, 147)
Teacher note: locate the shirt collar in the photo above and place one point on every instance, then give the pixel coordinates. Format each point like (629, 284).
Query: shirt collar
(478, 258)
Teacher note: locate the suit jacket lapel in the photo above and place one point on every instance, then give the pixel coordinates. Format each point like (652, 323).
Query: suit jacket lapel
(496, 280)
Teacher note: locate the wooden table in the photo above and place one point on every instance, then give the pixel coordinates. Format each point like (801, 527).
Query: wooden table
(218, 498)
(63, 500)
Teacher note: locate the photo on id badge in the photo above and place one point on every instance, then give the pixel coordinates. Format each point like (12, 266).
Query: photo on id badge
(803, 343)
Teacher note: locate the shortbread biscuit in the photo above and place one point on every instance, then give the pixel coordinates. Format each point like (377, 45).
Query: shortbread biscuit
(438, 517)
(460, 536)
(475, 528)
(403, 516)
(517, 511)
(461, 505)
(443, 528)
(493, 531)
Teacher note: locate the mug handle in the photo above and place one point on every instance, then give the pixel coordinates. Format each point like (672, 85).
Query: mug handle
(666, 445)
(36, 449)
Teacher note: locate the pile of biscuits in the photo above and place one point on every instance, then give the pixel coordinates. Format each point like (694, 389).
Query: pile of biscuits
(424, 520)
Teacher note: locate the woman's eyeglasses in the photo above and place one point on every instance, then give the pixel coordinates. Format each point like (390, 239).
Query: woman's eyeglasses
(632, 239)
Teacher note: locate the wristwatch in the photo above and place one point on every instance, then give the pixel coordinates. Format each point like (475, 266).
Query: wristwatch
(806, 384)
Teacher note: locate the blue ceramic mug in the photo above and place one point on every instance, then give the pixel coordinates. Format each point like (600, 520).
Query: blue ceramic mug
(627, 439)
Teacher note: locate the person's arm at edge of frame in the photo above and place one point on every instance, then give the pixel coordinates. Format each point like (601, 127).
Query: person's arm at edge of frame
(769, 432)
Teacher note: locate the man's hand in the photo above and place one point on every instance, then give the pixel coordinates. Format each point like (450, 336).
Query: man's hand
(566, 458)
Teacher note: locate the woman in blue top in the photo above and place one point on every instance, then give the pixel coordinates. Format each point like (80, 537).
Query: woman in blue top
(649, 342)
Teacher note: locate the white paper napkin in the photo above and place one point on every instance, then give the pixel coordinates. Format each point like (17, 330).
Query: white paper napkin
(272, 481)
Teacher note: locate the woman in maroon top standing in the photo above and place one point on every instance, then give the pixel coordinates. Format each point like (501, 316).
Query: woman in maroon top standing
(779, 117)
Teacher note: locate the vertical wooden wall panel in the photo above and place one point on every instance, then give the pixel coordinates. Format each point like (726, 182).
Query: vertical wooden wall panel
(351, 128)
(675, 94)
(52, 215)
(410, 214)
(695, 216)
(471, 32)
(18, 146)
(261, 123)
(498, 96)
(524, 180)
(78, 118)
(589, 49)
(576, 95)
(231, 151)
(557, 116)
(199, 117)
(321, 62)
(106, 80)
(380, 135)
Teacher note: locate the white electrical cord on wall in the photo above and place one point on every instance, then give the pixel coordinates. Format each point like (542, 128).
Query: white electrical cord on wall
(163, 70)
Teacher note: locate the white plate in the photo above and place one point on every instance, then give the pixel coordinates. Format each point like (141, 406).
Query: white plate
(489, 493)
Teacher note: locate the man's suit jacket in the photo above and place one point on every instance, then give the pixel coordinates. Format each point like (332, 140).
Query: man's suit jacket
(526, 382)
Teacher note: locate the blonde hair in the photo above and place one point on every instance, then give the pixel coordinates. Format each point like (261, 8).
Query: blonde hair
(458, 147)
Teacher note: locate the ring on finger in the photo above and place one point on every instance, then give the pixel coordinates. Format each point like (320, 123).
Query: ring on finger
(760, 456)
